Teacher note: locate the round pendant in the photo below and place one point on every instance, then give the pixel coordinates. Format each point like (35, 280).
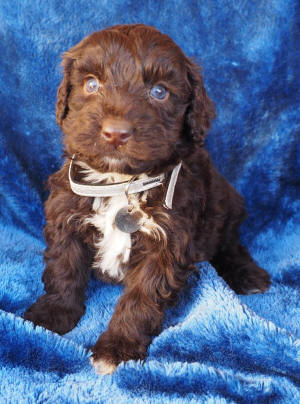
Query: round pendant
(128, 222)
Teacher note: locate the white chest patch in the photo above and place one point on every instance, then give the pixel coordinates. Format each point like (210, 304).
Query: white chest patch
(114, 246)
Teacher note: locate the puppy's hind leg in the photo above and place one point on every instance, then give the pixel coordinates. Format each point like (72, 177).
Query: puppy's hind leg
(236, 266)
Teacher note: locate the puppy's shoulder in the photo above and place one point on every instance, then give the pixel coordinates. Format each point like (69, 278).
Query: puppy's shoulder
(59, 179)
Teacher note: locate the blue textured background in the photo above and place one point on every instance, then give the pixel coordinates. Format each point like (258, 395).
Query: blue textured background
(215, 347)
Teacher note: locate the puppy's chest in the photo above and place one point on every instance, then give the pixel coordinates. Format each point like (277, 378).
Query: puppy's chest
(112, 246)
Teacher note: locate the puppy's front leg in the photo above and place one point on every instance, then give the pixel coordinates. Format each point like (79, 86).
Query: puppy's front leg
(151, 285)
(65, 278)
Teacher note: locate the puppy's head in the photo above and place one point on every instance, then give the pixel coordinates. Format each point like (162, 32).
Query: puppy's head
(130, 100)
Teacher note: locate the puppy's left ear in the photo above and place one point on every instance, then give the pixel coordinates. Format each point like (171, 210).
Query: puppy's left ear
(201, 109)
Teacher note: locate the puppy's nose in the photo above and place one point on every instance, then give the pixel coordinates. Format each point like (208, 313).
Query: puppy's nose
(116, 131)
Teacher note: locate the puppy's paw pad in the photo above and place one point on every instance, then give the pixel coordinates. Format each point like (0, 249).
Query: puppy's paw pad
(103, 367)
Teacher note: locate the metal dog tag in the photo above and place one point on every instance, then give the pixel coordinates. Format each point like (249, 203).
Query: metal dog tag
(128, 221)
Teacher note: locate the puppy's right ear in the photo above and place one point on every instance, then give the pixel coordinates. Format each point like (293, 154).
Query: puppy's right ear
(63, 91)
(65, 86)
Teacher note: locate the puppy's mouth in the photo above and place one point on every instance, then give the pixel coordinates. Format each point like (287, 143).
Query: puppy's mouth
(115, 163)
(117, 159)
(130, 158)
(123, 164)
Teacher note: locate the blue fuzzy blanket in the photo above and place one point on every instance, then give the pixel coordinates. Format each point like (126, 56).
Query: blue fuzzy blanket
(215, 346)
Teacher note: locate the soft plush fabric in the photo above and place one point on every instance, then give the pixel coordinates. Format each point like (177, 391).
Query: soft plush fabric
(215, 346)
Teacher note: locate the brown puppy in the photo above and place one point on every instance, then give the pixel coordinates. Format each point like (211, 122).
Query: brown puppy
(133, 107)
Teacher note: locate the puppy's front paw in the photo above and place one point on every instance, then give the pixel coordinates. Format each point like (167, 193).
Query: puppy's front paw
(51, 313)
(102, 366)
(105, 358)
(110, 350)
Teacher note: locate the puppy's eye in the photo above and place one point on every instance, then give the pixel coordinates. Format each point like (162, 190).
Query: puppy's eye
(92, 85)
(159, 92)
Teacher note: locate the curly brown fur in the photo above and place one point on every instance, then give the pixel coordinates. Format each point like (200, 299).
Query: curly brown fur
(127, 61)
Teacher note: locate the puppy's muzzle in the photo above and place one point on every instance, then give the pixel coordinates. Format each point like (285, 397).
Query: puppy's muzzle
(116, 131)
